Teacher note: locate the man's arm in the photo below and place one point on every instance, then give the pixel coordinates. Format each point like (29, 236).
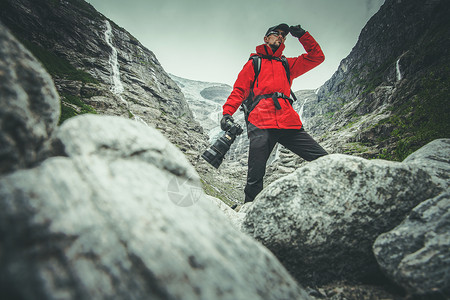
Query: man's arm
(305, 62)
(241, 89)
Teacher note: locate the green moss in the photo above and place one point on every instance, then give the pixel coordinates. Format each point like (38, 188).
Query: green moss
(423, 119)
(350, 124)
(355, 148)
(385, 155)
(56, 65)
(85, 109)
(69, 112)
(141, 58)
(211, 191)
(329, 115)
(375, 77)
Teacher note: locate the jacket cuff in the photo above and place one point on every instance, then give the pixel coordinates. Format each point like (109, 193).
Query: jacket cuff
(306, 35)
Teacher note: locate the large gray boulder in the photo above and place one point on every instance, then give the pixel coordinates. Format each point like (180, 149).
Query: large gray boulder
(416, 253)
(29, 106)
(121, 216)
(321, 221)
(434, 158)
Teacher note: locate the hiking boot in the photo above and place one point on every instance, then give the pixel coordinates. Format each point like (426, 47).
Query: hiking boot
(236, 207)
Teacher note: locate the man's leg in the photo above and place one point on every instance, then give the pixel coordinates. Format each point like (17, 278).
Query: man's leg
(261, 145)
(302, 144)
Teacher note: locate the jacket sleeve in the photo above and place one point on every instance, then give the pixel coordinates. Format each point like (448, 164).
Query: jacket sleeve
(305, 62)
(241, 89)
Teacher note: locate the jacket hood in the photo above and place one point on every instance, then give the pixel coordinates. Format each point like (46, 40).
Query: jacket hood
(266, 50)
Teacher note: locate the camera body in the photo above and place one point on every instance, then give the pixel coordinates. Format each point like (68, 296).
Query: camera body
(214, 155)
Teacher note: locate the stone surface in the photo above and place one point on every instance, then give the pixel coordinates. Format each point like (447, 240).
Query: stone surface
(435, 159)
(234, 217)
(114, 137)
(29, 106)
(416, 253)
(321, 221)
(122, 217)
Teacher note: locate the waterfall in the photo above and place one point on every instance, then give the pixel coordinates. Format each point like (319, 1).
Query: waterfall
(397, 68)
(300, 113)
(117, 86)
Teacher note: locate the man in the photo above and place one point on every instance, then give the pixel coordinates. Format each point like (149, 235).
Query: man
(272, 119)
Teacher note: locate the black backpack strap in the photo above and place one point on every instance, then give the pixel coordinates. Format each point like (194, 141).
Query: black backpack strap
(274, 97)
(256, 60)
(288, 74)
(286, 67)
(250, 103)
(285, 63)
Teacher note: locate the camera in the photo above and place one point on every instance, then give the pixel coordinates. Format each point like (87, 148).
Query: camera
(214, 155)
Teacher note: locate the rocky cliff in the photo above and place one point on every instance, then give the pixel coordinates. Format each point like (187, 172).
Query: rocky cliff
(389, 96)
(100, 68)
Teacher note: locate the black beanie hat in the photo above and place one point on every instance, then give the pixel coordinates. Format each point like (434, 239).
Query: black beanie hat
(282, 26)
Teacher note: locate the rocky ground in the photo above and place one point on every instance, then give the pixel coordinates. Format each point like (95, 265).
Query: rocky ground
(351, 228)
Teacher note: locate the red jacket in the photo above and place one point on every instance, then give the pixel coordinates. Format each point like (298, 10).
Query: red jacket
(272, 78)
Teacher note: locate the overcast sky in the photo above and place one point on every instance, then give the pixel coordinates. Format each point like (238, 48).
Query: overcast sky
(210, 40)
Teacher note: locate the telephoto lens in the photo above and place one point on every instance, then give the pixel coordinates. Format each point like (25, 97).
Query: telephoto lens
(214, 155)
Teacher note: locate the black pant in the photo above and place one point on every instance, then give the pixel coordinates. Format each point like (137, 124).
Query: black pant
(262, 142)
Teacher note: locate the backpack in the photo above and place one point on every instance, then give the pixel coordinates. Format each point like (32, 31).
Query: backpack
(250, 102)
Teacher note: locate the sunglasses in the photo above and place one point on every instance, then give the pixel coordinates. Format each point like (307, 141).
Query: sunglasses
(277, 33)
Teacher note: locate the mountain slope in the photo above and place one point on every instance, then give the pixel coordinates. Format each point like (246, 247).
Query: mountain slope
(98, 67)
(389, 95)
